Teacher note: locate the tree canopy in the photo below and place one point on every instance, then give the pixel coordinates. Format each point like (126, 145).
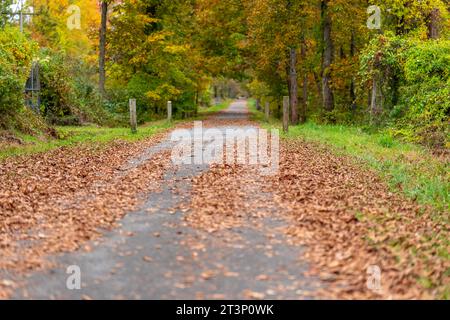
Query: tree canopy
(337, 60)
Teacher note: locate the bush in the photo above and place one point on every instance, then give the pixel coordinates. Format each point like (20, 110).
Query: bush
(426, 91)
(382, 60)
(416, 87)
(68, 95)
(57, 91)
(16, 56)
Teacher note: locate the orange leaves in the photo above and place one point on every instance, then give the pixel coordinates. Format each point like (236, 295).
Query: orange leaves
(349, 220)
(55, 201)
(254, 295)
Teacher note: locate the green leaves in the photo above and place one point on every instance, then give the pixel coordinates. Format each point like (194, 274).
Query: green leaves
(153, 55)
(418, 74)
(427, 60)
(16, 55)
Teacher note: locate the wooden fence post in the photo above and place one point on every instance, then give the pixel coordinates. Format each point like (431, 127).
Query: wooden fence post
(169, 110)
(285, 114)
(267, 111)
(133, 117)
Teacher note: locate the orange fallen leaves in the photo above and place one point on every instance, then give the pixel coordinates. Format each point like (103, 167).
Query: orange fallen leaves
(55, 201)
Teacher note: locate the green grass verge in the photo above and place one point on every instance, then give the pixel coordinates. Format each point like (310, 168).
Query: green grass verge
(71, 136)
(214, 109)
(407, 168)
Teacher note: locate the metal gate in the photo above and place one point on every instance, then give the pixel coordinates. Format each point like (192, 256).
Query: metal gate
(32, 89)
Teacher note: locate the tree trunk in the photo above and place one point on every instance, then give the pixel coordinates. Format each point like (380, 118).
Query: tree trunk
(434, 23)
(294, 86)
(328, 97)
(352, 83)
(318, 82)
(352, 96)
(102, 56)
(258, 104)
(196, 97)
(279, 115)
(304, 85)
(376, 105)
(286, 114)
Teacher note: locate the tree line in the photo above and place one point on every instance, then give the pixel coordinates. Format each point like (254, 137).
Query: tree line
(375, 63)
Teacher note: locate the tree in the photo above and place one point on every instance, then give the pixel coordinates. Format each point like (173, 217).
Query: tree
(293, 90)
(102, 47)
(327, 58)
(154, 56)
(50, 27)
(434, 23)
(348, 37)
(278, 31)
(220, 33)
(5, 8)
(405, 16)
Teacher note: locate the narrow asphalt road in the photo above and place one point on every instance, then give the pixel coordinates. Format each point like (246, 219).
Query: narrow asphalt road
(156, 254)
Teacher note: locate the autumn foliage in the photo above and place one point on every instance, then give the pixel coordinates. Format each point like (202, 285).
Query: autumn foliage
(324, 54)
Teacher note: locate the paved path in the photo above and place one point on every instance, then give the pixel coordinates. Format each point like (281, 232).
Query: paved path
(155, 254)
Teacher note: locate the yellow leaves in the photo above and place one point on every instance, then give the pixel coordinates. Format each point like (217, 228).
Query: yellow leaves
(258, 88)
(138, 59)
(51, 29)
(169, 89)
(16, 52)
(412, 13)
(175, 49)
(152, 95)
(156, 37)
(163, 92)
(145, 19)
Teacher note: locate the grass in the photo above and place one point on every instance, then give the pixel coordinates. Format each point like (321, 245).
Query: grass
(214, 109)
(72, 136)
(407, 168)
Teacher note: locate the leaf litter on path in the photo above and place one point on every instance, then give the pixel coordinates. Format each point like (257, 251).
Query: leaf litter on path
(55, 201)
(349, 221)
(343, 214)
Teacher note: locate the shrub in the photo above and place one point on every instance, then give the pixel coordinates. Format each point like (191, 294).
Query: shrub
(425, 95)
(415, 77)
(57, 91)
(382, 60)
(16, 56)
(68, 94)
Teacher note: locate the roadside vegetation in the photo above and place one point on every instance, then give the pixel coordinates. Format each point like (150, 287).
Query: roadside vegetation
(65, 136)
(215, 108)
(393, 73)
(150, 57)
(69, 136)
